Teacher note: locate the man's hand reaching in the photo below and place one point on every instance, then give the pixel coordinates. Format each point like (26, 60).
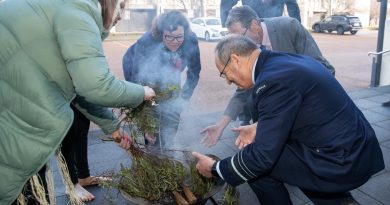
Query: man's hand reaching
(246, 135)
(212, 134)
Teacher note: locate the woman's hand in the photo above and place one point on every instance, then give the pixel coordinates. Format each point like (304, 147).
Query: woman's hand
(123, 139)
(149, 93)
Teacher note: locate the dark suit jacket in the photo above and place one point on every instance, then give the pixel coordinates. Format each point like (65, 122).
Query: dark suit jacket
(149, 62)
(303, 108)
(288, 35)
(264, 9)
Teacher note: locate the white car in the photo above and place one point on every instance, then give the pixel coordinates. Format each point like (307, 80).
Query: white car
(209, 28)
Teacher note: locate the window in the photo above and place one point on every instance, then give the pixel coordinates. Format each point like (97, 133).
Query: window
(213, 22)
(197, 21)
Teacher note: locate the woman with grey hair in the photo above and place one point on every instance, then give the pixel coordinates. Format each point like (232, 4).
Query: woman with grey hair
(48, 56)
(157, 59)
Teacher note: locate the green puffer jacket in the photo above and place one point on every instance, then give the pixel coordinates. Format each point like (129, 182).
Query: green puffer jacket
(49, 51)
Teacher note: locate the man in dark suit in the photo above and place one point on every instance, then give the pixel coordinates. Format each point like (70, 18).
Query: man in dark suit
(310, 134)
(263, 8)
(280, 34)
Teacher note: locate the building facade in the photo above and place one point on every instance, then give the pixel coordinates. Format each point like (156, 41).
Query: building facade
(139, 14)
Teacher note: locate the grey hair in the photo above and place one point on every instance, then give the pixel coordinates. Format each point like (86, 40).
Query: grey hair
(234, 44)
(242, 14)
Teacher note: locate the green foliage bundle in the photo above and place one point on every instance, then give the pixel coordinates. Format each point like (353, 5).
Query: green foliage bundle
(200, 185)
(151, 177)
(231, 196)
(144, 118)
(154, 178)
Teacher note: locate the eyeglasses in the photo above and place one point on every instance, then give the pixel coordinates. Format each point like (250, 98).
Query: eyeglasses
(177, 38)
(221, 74)
(245, 31)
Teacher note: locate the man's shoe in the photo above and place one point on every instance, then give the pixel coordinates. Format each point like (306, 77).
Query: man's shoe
(386, 104)
(349, 201)
(244, 123)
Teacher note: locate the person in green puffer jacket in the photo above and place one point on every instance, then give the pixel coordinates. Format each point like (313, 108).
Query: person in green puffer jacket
(48, 55)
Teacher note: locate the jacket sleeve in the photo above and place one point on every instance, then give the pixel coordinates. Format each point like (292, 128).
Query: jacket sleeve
(80, 43)
(293, 9)
(277, 106)
(224, 8)
(193, 68)
(102, 116)
(128, 64)
(237, 103)
(304, 43)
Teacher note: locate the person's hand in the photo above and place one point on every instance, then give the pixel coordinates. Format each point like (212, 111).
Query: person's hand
(149, 93)
(204, 164)
(212, 134)
(246, 135)
(123, 139)
(151, 138)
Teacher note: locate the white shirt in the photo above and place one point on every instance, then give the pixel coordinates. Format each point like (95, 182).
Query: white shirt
(253, 71)
(266, 41)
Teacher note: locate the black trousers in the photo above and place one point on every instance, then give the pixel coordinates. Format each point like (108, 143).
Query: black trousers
(75, 147)
(249, 112)
(270, 189)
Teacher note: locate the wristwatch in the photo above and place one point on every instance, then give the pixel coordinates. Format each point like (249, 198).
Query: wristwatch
(214, 171)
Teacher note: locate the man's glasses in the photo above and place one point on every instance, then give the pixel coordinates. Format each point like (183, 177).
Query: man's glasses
(245, 31)
(221, 74)
(177, 38)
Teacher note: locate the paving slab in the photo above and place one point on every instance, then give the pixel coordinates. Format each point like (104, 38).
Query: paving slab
(378, 188)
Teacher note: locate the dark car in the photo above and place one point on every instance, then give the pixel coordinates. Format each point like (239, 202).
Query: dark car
(338, 23)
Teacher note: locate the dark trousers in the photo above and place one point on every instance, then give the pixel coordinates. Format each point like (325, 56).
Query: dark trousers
(169, 118)
(27, 191)
(75, 147)
(245, 115)
(248, 113)
(270, 190)
(169, 123)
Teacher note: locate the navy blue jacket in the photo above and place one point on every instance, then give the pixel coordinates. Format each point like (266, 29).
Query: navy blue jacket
(149, 62)
(305, 109)
(264, 9)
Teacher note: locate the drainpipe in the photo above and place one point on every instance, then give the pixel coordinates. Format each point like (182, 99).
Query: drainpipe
(377, 59)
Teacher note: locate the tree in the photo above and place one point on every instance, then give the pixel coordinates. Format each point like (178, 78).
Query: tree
(340, 6)
(374, 12)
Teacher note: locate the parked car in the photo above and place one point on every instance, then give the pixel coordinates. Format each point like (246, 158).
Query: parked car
(209, 28)
(338, 23)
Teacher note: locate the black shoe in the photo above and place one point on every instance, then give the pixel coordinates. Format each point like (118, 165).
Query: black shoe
(244, 123)
(349, 201)
(386, 104)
